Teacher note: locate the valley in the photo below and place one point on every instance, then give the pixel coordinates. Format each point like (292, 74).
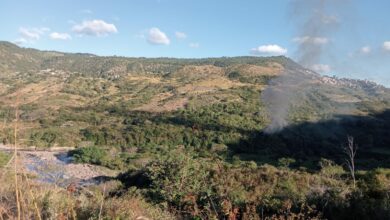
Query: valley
(212, 138)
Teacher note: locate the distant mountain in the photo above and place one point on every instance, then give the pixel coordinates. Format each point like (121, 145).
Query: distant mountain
(71, 99)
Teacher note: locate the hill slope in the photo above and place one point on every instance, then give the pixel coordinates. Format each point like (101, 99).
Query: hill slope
(137, 104)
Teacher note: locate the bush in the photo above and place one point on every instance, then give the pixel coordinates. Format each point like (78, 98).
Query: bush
(176, 176)
(93, 155)
(285, 162)
(330, 169)
(205, 188)
(100, 156)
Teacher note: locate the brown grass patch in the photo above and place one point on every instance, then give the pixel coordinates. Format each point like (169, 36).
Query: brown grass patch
(198, 72)
(46, 94)
(153, 80)
(209, 85)
(163, 103)
(32, 92)
(3, 88)
(272, 69)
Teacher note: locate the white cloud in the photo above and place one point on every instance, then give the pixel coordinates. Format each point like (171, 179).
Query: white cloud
(60, 36)
(311, 40)
(386, 45)
(194, 45)
(180, 35)
(94, 28)
(365, 50)
(155, 36)
(20, 41)
(271, 49)
(31, 34)
(321, 68)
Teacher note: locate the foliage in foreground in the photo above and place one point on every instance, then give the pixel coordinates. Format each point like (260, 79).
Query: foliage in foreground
(208, 188)
(50, 202)
(182, 184)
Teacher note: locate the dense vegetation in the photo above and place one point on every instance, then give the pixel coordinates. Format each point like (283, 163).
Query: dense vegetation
(208, 187)
(188, 135)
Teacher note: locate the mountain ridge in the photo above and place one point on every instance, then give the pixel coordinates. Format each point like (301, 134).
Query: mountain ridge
(48, 55)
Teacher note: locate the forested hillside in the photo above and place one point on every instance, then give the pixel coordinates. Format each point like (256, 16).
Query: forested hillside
(190, 135)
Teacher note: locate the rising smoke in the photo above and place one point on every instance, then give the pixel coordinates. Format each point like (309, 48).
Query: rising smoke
(315, 22)
(283, 91)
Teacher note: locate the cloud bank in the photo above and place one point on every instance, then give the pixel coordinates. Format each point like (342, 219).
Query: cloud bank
(94, 28)
(60, 36)
(157, 37)
(386, 45)
(32, 33)
(271, 49)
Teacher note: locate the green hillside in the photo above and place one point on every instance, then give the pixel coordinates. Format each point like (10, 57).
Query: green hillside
(163, 120)
(115, 102)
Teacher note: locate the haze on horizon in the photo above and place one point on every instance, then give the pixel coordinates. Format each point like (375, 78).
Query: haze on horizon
(354, 44)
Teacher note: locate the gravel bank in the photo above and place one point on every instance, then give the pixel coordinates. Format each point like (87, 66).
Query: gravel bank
(57, 168)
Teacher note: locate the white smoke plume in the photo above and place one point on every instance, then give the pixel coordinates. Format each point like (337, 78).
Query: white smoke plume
(315, 21)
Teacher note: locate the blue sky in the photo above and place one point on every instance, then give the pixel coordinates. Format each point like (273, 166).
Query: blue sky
(359, 48)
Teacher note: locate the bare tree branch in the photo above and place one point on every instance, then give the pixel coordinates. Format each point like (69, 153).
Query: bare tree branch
(350, 150)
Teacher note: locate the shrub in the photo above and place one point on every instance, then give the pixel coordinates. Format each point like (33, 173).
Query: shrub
(285, 162)
(330, 169)
(176, 176)
(93, 155)
(100, 156)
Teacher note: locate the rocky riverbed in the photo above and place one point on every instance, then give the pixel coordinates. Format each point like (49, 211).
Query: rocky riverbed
(58, 168)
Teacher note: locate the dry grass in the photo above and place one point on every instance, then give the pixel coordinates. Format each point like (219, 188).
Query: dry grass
(15, 156)
(132, 207)
(32, 92)
(43, 201)
(343, 98)
(47, 93)
(152, 80)
(272, 69)
(3, 88)
(209, 85)
(164, 102)
(191, 72)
